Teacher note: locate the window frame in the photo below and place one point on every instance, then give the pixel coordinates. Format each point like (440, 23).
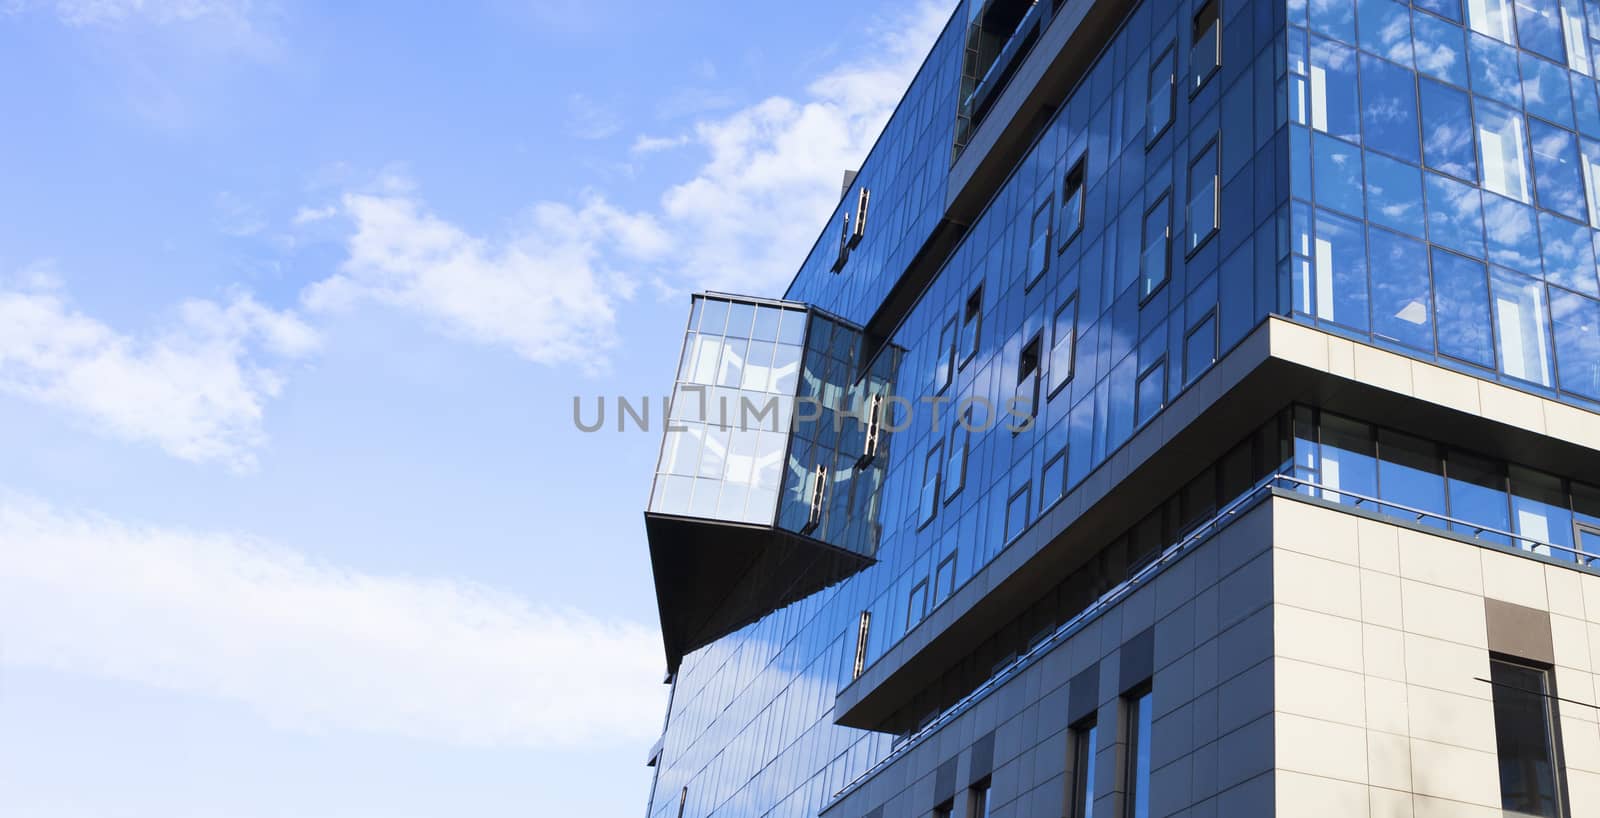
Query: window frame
(1213, 146)
(953, 484)
(1132, 714)
(1077, 171)
(1170, 51)
(1211, 9)
(1056, 386)
(1149, 291)
(1046, 209)
(933, 459)
(1210, 317)
(1030, 380)
(913, 615)
(1080, 787)
(971, 313)
(1552, 723)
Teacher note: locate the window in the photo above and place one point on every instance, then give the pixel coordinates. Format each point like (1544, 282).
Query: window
(1540, 512)
(1519, 313)
(863, 628)
(978, 800)
(1539, 28)
(1200, 347)
(1151, 392)
(1027, 394)
(1080, 803)
(1017, 513)
(1335, 108)
(1072, 203)
(1411, 473)
(917, 604)
(1394, 194)
(1447, 130)
(1039, 247)
(1064, 339)
(1401, 293)
(1137, 709)
(1162, 104)
(970, 321)
(1341, 270)
(944, 577)
(1461, 301)
(1053, 480)
(1525, 719)
(1545, 90)
(1455, 215)
(1156, 262)
(1477, 495)
(930, 485)
(1347, 465)
(1445, 55)
(946, 356)
(1502, 151)
(1558, 177)
(1205, 55)
(1386, 29)
(1203, 193)
(955, 472)
(1491, 17)
(1577, 330)
(1336, 173)
(844, 243)
(1494, 71)
(860, 232)
(1389, 115)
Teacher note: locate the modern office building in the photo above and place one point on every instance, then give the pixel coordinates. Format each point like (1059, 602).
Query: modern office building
(1191, 409)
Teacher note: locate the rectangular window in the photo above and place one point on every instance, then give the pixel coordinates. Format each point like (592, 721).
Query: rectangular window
(955, 472)
(1080, 803)
(944, 577)
(1335, 105)
(1502, 151)
(844, 243)
(863, 628)
(1156, 263)
(1525, 719)
(1477, 490)
(1151, 392)
(1461, 303)
(917, 604)
(1400, 290)
(945, 361)
(1027, 394)
(1039, 247)
(860, 230)
(970, 321)
(930, 485)
(1137, 708)
(1411, 473)
(1063, 344)
(1519, 313)
(1577, 330)
(1200, 348)
(1205, 55)
(1017, 513)
(1072, 203)
(1162, 105)
(944, 810)
(978, 800)
(1203, 192)
(1491, 17)
(1340, 257)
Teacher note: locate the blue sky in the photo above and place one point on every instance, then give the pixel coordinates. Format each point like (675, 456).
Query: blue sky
(294, 299)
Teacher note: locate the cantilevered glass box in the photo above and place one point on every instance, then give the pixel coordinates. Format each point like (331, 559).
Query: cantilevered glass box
(771, 466)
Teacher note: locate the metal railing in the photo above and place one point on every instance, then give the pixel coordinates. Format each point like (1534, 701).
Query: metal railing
(1288, 484)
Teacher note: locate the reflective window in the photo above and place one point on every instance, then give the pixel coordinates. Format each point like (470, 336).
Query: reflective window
(1502, 153)
(1519, 314)
(1577, 331)
(1513, 233)
(1389, 117)
(1138, 709)
(1039, 247)
(1491, 17)
(1017, 509)
(1546, 90)
(1525, 739)
(1461, 300)
(1386, 29)
(1072, 202)
(944, 356)
(1200, 348)
(1411, 473)
(1151, 392)
(1455, 215)
(1394, 194)
(1450, 9)
(1401, 310)
(1584, 106)
(1441, 49)
(955, 468)
(1539, 28)
(1206, 53)
(1478, 496)
(1557, 175)
(1568, 253)
(1589, 166)
(1156, 259)
(1081, 804)
(1348, 465)
(1337, 174)
(1203, 193)
(971, 318)
(929, 504)
(1335, 104)
(1539, 511)
(1162, 102)
(1063, 344)
(1494, 70)
(1577, 45)
(1341, 270)
(1447, 131)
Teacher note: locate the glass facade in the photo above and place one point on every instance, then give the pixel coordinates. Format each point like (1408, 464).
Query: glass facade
(1417, 177)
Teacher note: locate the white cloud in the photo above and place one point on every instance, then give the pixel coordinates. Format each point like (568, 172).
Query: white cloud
(101, 12)
(590, 120)
(654, 144)
(545, 290)
(196, 388)
(307, 215)
(313, 646)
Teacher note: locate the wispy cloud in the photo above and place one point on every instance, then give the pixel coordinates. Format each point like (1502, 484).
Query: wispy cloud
(196, 388)
(545, 289)
(591, 120)
(655, 144)
(313, 646)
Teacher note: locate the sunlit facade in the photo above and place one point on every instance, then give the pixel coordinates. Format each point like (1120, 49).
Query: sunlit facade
(1190, 409)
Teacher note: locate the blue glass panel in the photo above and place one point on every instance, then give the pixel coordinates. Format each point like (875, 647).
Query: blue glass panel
(1338, 174)
(1502, 150)
(1443, 8)
(1540, 512)
(1411, 473)
(1340, 265)
(1547, 91)
(1300, 162)
(1555, 167)
(1334, 18)
(1347, 463)
(1441, 48)
(1335, 104)
(1386, 29)
(1455, 215)
(1494, 69)
(1447, 131)
(1512, 232)
(1584, 105)
(1389, 118)
(1401, 310)
(1568, 253)
(1577, 331)
(1520, 326)
(1461, 300)
(1478, 496)
(1394, 194)
(1539, 28)
(1491, 17)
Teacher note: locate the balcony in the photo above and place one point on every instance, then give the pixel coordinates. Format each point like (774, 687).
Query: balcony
(767, 487)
